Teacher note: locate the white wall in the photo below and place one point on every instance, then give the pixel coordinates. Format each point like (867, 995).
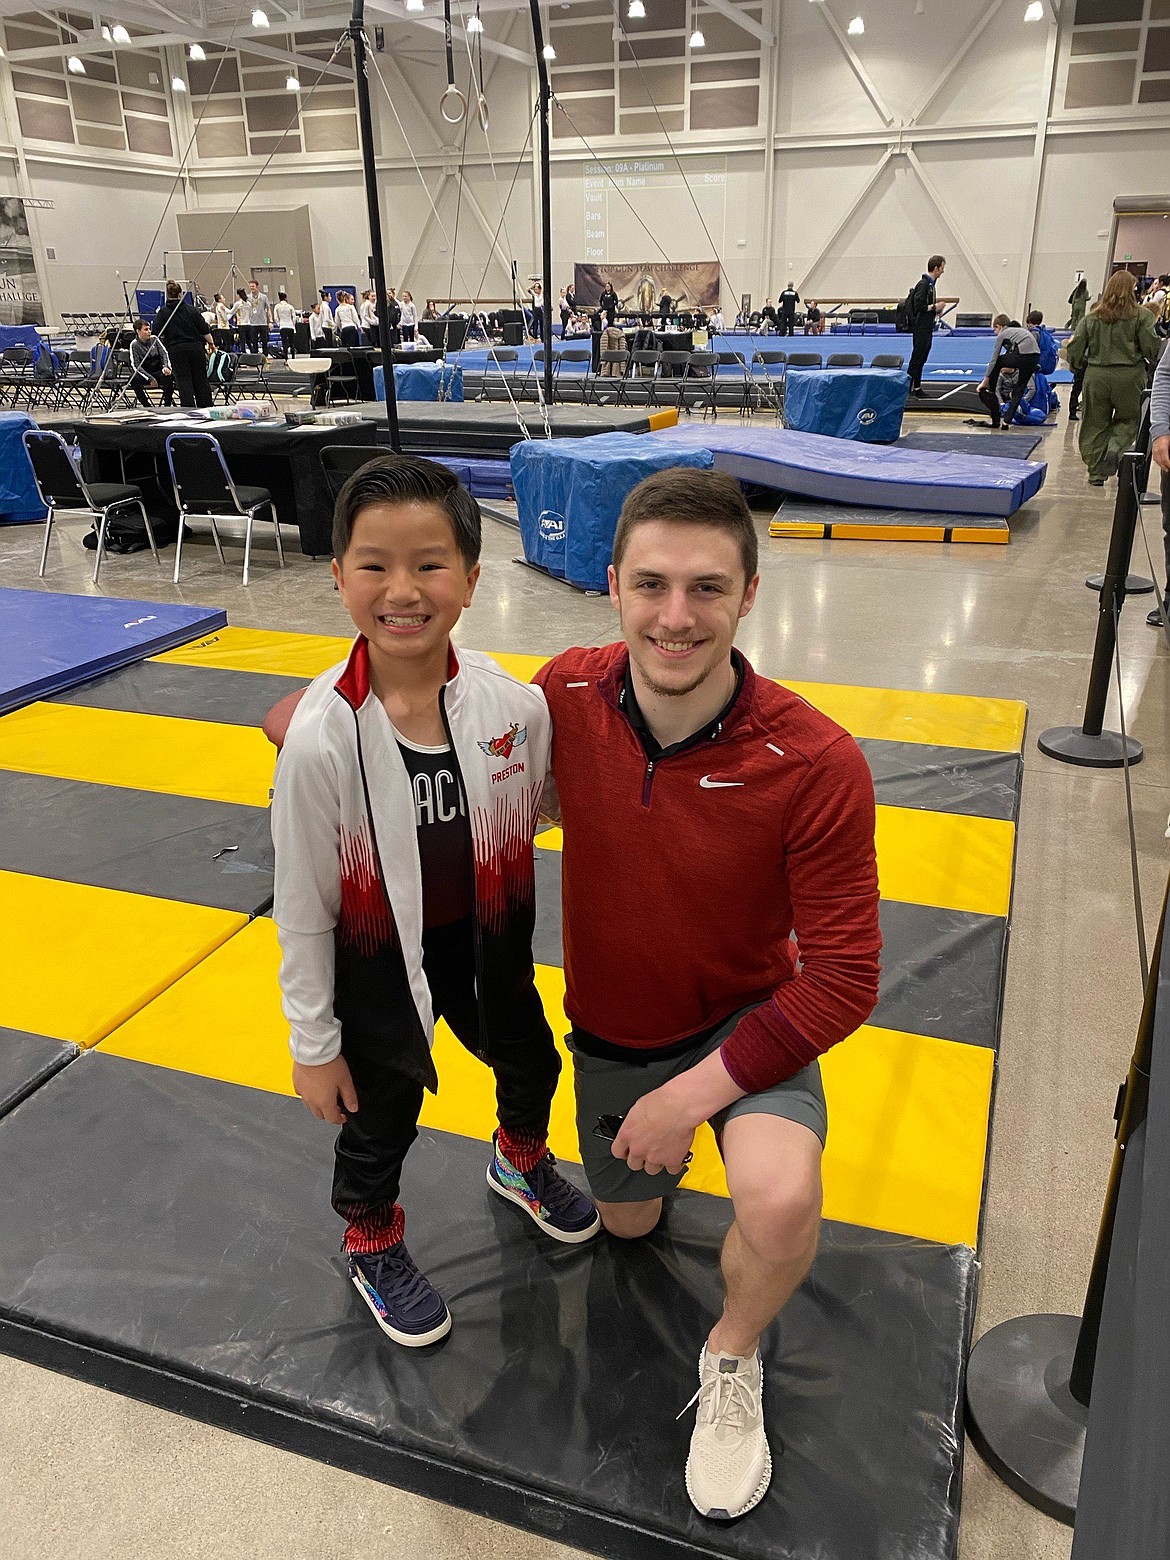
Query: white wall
(974, 142)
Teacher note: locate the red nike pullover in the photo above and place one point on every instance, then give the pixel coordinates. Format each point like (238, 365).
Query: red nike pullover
(684, 880)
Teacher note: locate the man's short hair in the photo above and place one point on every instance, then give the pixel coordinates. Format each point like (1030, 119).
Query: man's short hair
(1000, 321)
(408, 479)
(684, 496)
(935, 261)
(1036, 317)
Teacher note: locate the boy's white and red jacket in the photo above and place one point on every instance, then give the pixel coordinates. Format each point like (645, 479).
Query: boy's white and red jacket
(348, 892)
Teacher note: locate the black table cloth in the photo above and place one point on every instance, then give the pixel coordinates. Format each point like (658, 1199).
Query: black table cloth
(283, 459)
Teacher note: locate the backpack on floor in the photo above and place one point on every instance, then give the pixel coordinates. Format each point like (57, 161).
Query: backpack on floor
(221, 368)
(127, 534)
(1048, 356)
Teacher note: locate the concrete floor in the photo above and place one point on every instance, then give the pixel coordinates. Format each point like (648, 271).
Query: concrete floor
(96, 1476)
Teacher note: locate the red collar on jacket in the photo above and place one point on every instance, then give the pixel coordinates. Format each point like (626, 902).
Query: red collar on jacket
(354, 683)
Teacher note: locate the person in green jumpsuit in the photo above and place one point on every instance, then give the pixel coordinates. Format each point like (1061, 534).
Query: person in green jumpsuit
(1078, 301)
(1116, 345)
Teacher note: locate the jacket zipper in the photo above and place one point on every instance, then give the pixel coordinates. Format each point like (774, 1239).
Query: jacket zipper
(648, 781)
(476, 935)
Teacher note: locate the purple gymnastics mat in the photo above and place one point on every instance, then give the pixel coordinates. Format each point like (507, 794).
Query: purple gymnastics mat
(875, 476)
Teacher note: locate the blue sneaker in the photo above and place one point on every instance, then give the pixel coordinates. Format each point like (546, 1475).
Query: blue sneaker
(402, 1301)
(553, 1203)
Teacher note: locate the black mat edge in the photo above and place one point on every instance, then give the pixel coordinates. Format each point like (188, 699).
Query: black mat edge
(69, 1052)
(339, 1447)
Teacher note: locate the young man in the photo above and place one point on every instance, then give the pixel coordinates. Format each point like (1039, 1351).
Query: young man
(708, 813)
(151, 365)
(1017, 349)
(787, 305)
(924, 312)
(259, 318)
(405, 800)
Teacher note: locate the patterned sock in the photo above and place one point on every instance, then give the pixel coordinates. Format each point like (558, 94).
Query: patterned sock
(522, 1150)
(377, 1230)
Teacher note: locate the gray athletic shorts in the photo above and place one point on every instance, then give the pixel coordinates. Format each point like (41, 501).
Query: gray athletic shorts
(603, 1087)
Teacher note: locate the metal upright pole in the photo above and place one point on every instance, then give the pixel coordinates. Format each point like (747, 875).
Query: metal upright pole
(545, 196)
(377, 261)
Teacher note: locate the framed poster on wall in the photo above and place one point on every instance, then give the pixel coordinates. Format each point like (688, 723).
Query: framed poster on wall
(20, 288)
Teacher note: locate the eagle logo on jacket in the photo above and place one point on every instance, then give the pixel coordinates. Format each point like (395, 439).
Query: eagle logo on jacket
(501, 747)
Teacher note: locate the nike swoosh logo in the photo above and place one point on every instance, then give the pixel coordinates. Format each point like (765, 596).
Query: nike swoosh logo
(717, 785)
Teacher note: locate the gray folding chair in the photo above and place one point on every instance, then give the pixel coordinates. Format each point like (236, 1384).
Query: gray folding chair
(62, 488)
(204, 490)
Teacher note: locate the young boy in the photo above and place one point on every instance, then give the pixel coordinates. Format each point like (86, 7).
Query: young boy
(405, 802)
(1017, 350)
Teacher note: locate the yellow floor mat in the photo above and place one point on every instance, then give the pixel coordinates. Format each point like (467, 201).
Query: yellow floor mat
(78, 961)
(892, 714)
(148, 752)
(908, 1114)
(930, 858)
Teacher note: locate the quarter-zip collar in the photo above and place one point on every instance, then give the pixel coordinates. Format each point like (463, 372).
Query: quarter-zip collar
(354, 683)
(617, 688)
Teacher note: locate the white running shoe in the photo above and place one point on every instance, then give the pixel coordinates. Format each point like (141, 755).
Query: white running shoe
(730, 1463)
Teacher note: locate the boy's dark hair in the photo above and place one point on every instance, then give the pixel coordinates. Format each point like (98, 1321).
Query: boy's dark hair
(138, 324)
(1036, 317)
(935, 261)
(685, 496)
(408, 479)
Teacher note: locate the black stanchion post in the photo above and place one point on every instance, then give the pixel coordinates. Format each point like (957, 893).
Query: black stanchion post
(1088, 744)
(545, 199)
(1029, 1380)
(373, 212)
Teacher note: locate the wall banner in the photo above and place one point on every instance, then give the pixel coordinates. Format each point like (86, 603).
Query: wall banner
(691, 284)
(20, 288)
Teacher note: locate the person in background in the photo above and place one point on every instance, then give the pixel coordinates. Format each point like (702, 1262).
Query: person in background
(327, 317)
(188, 340)
(348, 321)
(768, 315)
(368, 314)
(285, 319)
(571, 298)
(788, 303)
(409, 316)
(665, 310)
(924, 312)
(1155, 298)
(259, 317)
(223, 323)
(608, 303)
(1017, 349)
(1078, 302)
(393, 320)
(536, 297)
(715, 323)
(316, 325)
(150, 365)
(565, 311)
(1114, 345)
(430, 312)
(241, 309)
(814, 320)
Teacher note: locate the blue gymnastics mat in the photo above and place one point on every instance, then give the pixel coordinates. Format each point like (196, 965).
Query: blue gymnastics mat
(952, 356)
(874, 476)
(49, 642)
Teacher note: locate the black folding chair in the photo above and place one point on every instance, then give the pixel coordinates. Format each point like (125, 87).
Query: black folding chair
(204, 490)
(62, 488)
(16, 368)
(617, 359)
(844, 360)
(341, 379)
(501, 374)
(250, 379)
(640, 379)
(701, 386)
(738, 384)
(807, 359)
(576, 384)
(887, 360)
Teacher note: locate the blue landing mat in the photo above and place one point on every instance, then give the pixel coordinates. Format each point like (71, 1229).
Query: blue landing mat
(873, 476)
(49, 642)
(952, 356)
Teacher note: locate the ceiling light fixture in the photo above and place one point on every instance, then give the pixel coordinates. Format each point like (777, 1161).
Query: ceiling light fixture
(75, 65)
(291, 84)
(120, 34)
(856, 27)
(259, 18)
(1034, 12)
(637, 11)
(178, 84)
(106, 33)
(474, 24)
(196, 52)
(414, 5)
(697, 39)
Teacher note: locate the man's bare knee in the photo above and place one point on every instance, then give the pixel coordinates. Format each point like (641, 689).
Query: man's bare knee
(629, 1221)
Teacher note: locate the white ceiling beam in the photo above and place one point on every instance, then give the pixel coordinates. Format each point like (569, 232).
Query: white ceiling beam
(742, 19)
(395, 12)
(957, 58)
(961, 243)
(856, 66)
(253, 45)
(1039, 162)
